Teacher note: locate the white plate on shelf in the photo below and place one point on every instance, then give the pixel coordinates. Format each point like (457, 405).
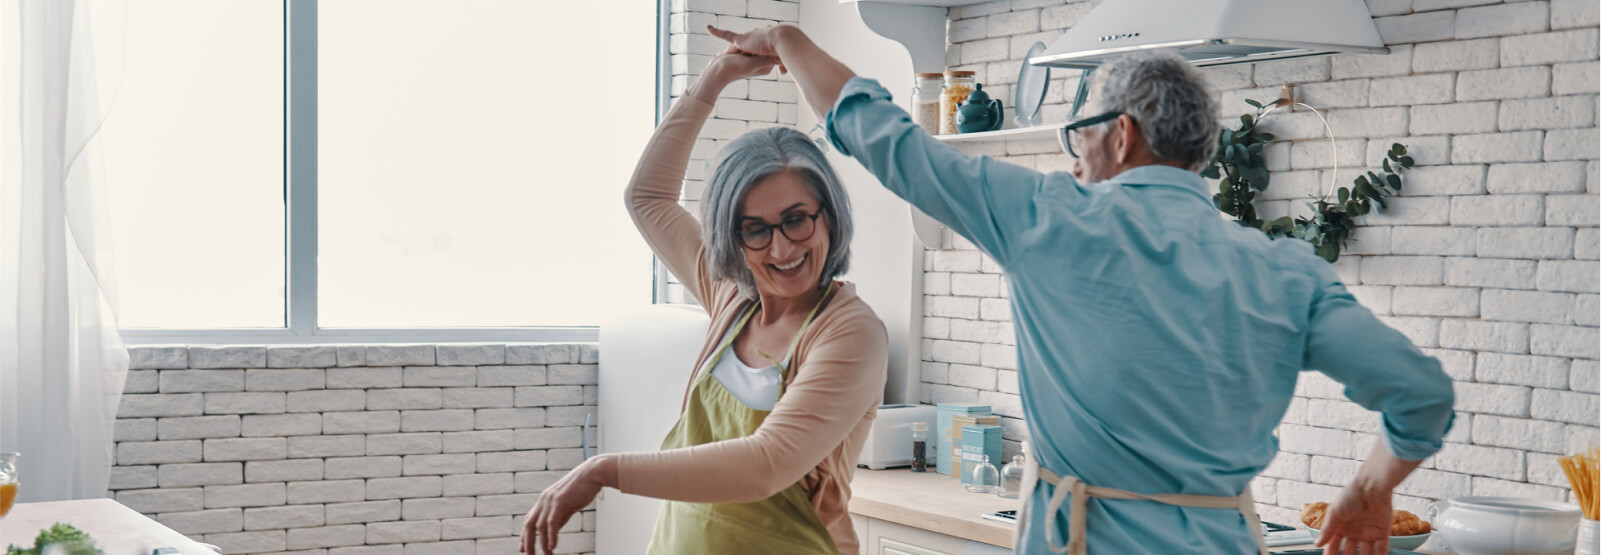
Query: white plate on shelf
(1032, 82)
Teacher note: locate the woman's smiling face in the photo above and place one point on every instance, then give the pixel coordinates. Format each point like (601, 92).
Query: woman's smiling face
(785, 268)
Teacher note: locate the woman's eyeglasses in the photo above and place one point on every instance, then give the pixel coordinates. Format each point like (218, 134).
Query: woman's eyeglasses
(796, 227)
(1074, 141)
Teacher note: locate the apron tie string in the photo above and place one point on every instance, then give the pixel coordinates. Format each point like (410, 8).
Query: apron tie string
(1082, 493)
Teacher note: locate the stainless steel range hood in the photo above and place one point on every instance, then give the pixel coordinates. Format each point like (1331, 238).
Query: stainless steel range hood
(1216, 32)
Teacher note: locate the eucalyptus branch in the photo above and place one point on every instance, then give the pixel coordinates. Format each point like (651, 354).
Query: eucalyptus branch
(1238, 161)
(1244, 173)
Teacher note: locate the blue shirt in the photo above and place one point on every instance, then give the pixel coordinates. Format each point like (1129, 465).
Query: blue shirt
(1158, 343)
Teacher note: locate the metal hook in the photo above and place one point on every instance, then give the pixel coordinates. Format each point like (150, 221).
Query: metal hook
(584, 432)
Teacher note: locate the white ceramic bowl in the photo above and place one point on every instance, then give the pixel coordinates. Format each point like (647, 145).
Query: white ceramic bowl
(1506, 525)
(1403, 543)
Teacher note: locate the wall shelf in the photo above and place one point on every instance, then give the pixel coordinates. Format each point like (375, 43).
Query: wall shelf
(1034, 133)
(929, 3)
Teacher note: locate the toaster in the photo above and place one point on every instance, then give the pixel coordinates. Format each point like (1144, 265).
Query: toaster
(889, 439)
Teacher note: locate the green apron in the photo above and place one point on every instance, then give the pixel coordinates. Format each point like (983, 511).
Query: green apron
(782, 524)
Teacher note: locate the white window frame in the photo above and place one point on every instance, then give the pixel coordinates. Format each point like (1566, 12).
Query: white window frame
(300, 221)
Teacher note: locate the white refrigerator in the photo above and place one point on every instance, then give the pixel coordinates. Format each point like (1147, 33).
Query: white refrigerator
(646, 358)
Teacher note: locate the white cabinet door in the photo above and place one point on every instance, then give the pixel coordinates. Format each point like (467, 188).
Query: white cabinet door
(878, 537)
(888, 546)
(860, 523)
(888, 538)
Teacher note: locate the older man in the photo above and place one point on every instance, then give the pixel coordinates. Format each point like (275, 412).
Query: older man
(1158, 344)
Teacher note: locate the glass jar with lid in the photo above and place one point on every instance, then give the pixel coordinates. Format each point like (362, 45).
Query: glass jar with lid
(1012, 478)
(926, 101)
(985, 478)
(958, 84)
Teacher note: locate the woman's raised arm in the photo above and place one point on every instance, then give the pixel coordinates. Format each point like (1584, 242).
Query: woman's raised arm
(652, 195)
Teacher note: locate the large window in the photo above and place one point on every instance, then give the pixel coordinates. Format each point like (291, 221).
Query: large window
(194, 157)
(379, 167)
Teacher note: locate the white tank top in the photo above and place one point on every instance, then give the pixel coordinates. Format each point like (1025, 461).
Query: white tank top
(756, 388)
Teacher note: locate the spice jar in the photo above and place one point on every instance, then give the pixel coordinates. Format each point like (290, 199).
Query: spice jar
(958, 84)
(926, 101)
(919, 447)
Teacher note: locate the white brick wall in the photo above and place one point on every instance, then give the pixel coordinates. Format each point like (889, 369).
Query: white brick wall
(353, 449)
(1488, 261)
(748, 104)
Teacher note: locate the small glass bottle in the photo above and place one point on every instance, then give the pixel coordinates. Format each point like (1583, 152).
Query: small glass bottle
(958, 84)
(1012, 478)
(919, 447)
(985, 478)
(925, 101)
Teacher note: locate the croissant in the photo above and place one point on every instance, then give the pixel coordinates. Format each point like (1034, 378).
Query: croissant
(1312, 514)
(1408, 524)
(1404, 523)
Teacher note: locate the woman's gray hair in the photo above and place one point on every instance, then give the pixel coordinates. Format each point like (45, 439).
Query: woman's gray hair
(1167, 98)
(742, 164)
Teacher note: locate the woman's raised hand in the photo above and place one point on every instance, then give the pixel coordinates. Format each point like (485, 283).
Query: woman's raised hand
(729, 66)
(734, 64)
(759, 42)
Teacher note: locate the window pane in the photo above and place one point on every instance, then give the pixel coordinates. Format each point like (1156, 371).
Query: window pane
(194, 161)
(472, 157)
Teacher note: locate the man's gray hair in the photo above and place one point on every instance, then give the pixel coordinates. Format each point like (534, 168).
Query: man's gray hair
(742, 164)
(1167, 98)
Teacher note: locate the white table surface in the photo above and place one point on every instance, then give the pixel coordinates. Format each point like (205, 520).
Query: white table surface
(117, 529)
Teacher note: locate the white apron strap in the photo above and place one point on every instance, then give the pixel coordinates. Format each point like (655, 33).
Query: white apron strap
(1081, 494)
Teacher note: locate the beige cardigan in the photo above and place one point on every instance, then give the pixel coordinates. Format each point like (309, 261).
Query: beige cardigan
(816, 431)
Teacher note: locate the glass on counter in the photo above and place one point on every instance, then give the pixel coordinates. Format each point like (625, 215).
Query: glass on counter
(8, 482)
(958, 84)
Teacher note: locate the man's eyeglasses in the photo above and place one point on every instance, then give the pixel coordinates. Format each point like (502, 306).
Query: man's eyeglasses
(796, 227)
(1074, 141)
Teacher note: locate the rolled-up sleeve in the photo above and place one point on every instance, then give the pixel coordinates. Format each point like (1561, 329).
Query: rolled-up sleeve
(1381, 370)
(985, 201)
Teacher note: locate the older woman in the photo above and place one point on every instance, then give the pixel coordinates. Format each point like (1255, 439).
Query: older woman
(794, 365)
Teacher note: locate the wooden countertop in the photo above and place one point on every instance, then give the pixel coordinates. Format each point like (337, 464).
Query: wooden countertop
(939, 503)
(931, 501)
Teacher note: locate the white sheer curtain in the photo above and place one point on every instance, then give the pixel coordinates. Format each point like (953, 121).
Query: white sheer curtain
(62, 362)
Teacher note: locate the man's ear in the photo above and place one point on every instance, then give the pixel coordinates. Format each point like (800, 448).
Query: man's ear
(1127, 137)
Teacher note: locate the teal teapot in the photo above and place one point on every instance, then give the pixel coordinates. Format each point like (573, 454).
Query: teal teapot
(978, 113)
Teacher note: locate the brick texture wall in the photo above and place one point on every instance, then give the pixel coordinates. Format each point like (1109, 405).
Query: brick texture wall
(747, 104)
(1487, 261)
(353, 449)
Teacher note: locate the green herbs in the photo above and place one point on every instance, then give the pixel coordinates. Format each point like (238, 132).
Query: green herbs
(72, 540)
(1333, 222)
(1243, 172)
(1239, 163)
